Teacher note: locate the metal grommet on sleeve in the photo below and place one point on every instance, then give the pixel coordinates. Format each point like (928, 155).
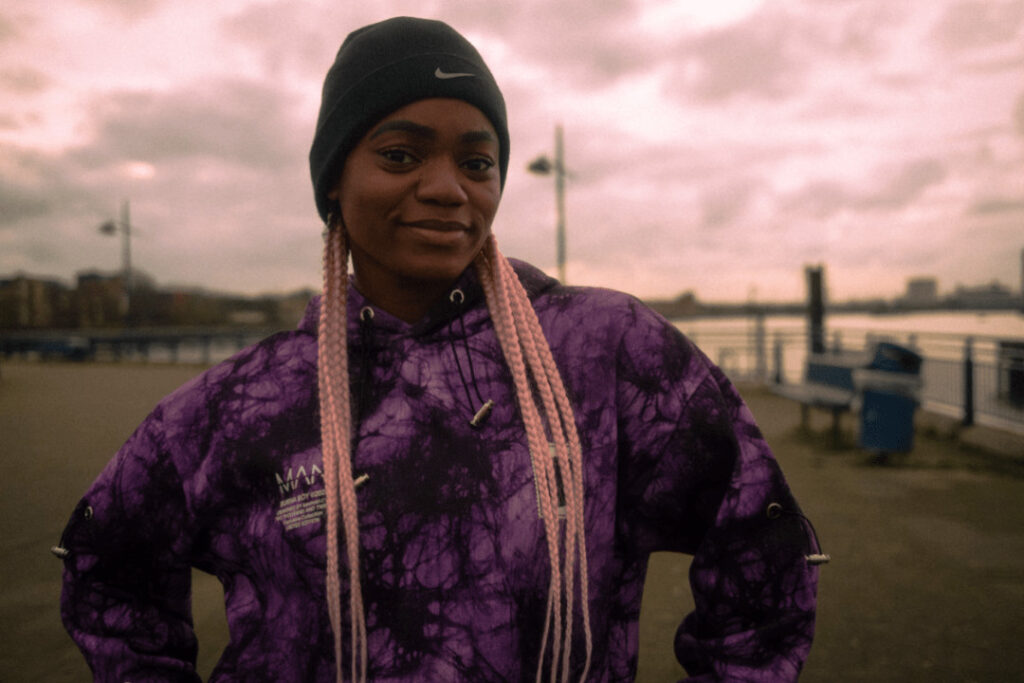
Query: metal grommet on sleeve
(816, 556)
(83, 513)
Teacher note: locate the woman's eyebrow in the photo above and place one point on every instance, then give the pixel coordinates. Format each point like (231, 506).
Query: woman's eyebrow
(477, 136)
(405, 126)
(429, 133)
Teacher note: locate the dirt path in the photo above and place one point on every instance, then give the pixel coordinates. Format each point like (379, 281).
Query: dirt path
(927, 581)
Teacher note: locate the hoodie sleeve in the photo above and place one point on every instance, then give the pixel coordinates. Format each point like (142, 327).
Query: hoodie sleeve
(127, 581)
(697, 477)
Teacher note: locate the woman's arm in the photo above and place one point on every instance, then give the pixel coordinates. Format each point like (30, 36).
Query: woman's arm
(126, 598)
(699, 478)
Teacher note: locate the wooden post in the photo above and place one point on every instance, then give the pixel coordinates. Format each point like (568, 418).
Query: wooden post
(780, 374)
(761, 356)
(815, 309)
(968, 418)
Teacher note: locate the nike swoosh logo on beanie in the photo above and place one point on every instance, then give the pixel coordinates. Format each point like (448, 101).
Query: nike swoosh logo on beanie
(443, 75)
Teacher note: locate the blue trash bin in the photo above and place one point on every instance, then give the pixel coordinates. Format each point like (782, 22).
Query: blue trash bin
(891, 357)
(889, 389)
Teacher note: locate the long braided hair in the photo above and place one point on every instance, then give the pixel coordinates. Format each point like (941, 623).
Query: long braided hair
(533, 368)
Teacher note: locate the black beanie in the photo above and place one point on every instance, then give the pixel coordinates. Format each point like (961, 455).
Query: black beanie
(385, 66)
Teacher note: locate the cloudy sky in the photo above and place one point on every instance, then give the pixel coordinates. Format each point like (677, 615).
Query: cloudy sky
(715, 146)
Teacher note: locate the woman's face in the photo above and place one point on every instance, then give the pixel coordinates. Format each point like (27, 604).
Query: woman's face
(418, 195)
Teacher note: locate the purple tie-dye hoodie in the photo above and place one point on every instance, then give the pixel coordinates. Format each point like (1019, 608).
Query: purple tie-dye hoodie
(225, 475)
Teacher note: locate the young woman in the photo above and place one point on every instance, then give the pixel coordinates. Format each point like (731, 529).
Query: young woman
(456, 468)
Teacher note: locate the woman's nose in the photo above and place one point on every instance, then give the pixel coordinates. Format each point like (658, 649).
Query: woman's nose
(440, 182)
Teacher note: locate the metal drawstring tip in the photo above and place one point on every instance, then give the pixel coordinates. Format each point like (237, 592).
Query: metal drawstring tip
(481, 415)
(818, 558)
(60, 553)
(360, 480)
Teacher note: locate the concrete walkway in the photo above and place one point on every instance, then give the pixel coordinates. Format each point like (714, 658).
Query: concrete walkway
(927, 577)
(926, 584)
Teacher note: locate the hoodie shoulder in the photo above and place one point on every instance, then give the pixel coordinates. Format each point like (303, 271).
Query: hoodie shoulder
(598, 318)
(534, 280)
(274, 376)
(539, 284)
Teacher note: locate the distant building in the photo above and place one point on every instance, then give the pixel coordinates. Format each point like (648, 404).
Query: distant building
(33, 303)
(683, 306)
(991, 296)
(922, 291)
(291, 307)
(100, 299)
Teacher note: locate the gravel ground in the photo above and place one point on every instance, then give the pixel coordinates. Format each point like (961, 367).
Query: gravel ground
(926, 583)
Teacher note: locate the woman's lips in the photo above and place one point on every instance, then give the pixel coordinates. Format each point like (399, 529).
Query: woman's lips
(439, 233)
(438, 226)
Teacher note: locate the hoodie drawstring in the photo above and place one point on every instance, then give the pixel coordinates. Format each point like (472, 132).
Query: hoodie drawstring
(457, 297)
(365, 362)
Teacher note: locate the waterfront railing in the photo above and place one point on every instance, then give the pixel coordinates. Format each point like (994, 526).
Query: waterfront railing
(975, 379)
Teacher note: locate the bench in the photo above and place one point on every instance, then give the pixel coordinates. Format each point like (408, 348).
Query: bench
(828, 384)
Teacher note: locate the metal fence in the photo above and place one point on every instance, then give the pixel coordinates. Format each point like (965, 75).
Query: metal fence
(194, 345)
(975, 379)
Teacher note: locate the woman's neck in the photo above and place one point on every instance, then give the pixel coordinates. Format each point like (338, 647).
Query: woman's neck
(409, 301)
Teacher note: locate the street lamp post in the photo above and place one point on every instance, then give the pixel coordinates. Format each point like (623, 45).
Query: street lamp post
(544, 166)
(124, 226)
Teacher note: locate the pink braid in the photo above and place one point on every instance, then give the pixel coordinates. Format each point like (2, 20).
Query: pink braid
(543, 385)
(575, 480)
(529, 358)
(524, 313)
(336, 428)
(526, 348)
(526, 318)
(497, 301)
(546, 473)
(569, 453)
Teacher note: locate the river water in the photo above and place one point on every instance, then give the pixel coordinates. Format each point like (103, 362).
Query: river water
(776, 347)
(952, 324)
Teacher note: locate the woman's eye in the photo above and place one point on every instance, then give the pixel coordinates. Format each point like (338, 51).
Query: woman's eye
(397, 156)
(479, 164)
